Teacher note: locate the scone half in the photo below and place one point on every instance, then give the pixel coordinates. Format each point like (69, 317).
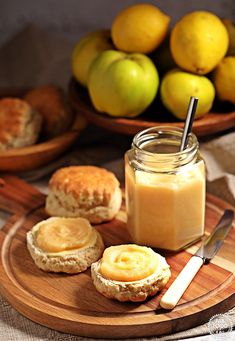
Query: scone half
(56, 246)
(137, 290)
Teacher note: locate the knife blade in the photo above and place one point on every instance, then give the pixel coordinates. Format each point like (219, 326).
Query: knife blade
(209, 247)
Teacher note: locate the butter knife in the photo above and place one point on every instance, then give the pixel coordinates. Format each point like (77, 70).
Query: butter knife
(205, 253)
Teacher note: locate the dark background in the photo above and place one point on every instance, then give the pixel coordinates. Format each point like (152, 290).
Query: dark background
(74, 18)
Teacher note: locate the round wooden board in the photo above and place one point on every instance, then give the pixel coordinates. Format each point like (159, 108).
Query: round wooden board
(70, 303)
(155, 115)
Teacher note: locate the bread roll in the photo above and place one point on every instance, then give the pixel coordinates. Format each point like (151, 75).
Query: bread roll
(84, 191)
(20, 124)
(50, 102)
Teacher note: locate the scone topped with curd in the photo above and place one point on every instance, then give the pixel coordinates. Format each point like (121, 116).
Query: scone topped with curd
(130, 272)
(84, 191)
(68, 245)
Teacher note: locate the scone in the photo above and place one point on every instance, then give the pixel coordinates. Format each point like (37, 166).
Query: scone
(130, 273)
(50, 102)
(68, 245)
(84, 191)
(20, 124)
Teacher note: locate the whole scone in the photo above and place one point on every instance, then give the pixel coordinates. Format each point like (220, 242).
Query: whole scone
(20, 124)
(68, 245)
(130, 273)
(51, 103)
(84, 191)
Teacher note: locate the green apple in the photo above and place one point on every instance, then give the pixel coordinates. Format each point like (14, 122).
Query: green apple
(86, 50)
(122, 84)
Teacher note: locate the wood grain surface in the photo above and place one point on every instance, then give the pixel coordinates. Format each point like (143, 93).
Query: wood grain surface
(70, 303)
(219, 119)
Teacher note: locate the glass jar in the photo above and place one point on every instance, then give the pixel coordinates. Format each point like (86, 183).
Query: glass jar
(165, 189)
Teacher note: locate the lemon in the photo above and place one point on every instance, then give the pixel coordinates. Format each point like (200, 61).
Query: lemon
(86, 50)
(199, 40)
(176, 88)
(224, 79)
(139, 28)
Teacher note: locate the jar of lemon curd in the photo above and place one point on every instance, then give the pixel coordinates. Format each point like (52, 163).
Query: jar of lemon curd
(165, 189)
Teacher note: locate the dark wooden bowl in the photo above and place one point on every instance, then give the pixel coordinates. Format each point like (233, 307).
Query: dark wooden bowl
(221, 117)
(39, 154)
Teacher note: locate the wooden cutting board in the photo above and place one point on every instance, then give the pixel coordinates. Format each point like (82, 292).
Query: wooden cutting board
(70, 303)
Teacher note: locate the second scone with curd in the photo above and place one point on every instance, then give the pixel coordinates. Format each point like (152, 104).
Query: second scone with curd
(130, 272)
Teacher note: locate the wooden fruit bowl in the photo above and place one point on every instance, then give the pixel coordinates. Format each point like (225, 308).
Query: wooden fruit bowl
(32, 157)
(221, 117)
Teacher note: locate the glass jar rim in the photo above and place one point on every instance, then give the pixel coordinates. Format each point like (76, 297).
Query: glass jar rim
(177, 131)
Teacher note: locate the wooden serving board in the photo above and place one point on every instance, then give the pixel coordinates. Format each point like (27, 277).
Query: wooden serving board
(70, 303)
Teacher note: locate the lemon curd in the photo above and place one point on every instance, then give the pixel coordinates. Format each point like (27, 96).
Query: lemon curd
(61, 235)
(128, 263)
(165, 189)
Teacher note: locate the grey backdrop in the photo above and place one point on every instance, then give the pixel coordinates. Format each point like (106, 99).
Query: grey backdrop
(76, 17)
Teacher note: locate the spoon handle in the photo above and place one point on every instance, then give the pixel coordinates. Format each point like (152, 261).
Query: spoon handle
(189, 122)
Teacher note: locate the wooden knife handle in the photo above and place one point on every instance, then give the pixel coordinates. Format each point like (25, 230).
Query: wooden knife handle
(180, 284)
